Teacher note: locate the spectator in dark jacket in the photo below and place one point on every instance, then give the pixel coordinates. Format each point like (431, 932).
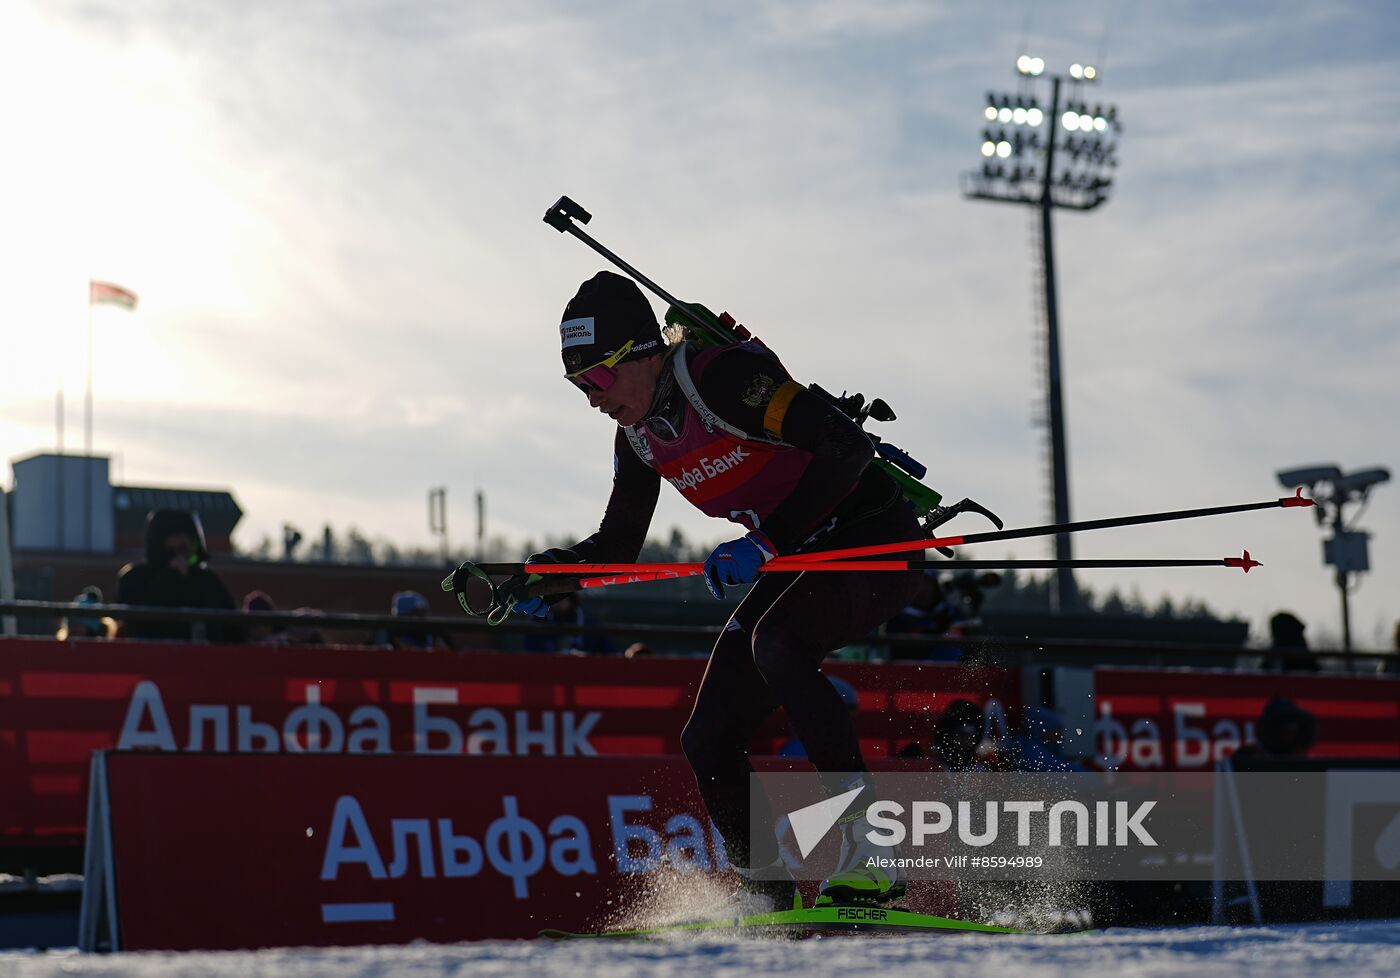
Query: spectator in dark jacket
(1284, 729)
(175, 574)
(1286, 636)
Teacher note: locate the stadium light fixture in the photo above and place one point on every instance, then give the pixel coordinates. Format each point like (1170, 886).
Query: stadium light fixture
(1064, 165)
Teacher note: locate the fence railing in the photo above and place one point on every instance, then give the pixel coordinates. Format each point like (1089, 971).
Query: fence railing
(878, 647)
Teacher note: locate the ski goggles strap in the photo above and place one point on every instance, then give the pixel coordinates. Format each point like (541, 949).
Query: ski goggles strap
(601, 375)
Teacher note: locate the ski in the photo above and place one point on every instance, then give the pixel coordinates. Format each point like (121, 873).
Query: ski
(853, 918)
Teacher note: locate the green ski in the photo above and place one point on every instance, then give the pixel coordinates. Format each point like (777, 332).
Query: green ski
(854, 918)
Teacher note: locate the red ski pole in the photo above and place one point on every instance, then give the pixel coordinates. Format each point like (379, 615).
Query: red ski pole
(637, 573)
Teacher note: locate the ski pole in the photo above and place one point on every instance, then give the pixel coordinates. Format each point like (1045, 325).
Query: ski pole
(641, 572)
(476, 591)
(1286, 502)
(588, 572)
(482, 602)
(672, 569)
(1244, 563)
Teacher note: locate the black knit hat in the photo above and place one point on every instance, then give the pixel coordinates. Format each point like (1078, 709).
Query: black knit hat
(607, 311)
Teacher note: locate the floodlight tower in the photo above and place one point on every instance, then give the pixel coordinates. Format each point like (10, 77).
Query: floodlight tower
(1347, 550)
(1048, 158)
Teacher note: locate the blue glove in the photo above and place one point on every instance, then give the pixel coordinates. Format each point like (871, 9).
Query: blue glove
(737, 562)
(537, 606)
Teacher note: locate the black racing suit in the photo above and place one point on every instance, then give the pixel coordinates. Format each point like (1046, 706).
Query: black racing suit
(769, 654)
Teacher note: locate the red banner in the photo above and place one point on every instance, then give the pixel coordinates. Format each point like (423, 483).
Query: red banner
(61, 701)
(235, 851)
(1180, 720)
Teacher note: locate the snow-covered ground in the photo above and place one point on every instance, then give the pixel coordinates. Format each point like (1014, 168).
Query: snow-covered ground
(1368, 949)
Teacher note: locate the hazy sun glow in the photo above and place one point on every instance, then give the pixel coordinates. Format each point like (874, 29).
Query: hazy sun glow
(107, 184)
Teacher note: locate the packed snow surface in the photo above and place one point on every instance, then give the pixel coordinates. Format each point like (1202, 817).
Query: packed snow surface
(1368, 949)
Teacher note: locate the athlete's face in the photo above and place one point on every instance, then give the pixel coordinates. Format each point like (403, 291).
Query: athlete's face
(629, 397)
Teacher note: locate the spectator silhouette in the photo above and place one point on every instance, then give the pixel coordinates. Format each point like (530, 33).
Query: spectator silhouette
(175, 574)
(1284, 729)
(958, 735)
(951, 608)
(86, 626)
(1286, 636)
(306, 632)
(916, 618)
(408, 605)
(1037, 746)
(926, 614)
(260, 633)
(568, 611)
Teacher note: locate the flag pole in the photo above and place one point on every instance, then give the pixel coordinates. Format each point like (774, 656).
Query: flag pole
(58, 481)
(87, 433)
(87, 393)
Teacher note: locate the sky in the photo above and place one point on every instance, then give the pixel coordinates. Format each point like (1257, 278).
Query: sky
(331, 212)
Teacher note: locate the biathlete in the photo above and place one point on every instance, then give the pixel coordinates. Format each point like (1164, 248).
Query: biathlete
(743, 441)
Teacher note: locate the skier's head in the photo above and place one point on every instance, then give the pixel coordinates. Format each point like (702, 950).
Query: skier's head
(610, 343)
(606, 313)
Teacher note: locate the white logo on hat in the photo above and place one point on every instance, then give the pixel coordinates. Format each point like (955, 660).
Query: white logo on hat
(576, 332)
